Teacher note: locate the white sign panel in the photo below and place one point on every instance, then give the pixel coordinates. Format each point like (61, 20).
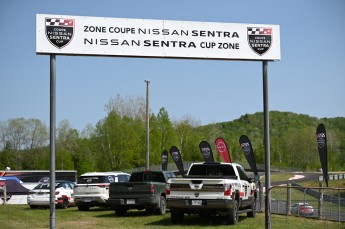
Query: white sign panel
(97, 36)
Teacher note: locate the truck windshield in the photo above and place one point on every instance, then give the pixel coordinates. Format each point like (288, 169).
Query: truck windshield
(211, 170)
(147, 176)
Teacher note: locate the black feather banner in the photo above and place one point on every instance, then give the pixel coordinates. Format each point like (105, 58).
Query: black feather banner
(206, 151)
(247, 149)
(321, 140)
(175, 154)
(164, 158)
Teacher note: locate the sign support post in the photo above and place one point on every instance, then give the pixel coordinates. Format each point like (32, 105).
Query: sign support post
(267, 147)
(52, 138)
(147, 126)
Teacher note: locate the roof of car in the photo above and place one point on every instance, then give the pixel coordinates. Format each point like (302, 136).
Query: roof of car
(217, 163)
(301, 204)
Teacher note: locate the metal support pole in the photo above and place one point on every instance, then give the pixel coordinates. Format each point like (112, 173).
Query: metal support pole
(52, 138)
(320, 204)
(288, 200)
(260, 196)
(338, 208)
(267, 148)
(5, 194)
(147, 126)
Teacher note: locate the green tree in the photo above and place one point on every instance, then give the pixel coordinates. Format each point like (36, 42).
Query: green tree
(35, 148)
(23, 141)
(162, 135)
(120, 142)
(188, 139)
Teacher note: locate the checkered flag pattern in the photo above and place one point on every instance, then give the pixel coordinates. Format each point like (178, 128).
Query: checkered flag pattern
(259, 31)
(59, 22)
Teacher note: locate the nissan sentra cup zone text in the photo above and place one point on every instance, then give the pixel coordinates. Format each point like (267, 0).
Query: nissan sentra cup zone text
(92, 189)
(40, 195)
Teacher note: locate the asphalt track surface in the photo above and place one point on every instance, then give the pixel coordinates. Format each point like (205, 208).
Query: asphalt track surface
(297, 177)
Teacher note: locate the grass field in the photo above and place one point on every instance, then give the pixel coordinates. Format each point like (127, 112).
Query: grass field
(21, 216)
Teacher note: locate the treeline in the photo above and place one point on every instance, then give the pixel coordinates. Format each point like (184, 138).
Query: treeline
(292, 139)
(118, 142)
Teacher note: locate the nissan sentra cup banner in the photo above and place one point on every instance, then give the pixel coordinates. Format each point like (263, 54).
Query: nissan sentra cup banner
(321, 140)
(176, 156)
(206, 151)
(101, 36)
(247, 149)
(223, 150)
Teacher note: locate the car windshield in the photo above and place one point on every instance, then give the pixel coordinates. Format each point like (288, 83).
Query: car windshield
(46, 186)
(302, 205)
(96, 179)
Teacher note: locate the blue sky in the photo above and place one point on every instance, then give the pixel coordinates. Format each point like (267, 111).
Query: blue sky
(309, 79)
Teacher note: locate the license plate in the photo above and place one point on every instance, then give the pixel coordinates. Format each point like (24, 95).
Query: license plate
(87, 200)
(130, 201)
(197, 202)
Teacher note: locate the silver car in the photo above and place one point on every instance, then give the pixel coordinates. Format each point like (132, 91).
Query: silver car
(40, 195)
(303, 209)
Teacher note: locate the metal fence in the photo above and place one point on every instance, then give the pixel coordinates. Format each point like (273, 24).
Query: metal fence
(313, 202)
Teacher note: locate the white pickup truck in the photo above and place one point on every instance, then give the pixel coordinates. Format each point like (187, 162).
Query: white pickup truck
(212, 188)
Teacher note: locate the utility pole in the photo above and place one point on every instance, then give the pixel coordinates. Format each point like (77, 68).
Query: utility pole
(147, 126)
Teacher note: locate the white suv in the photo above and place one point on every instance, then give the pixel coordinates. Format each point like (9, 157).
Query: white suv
(92, 189)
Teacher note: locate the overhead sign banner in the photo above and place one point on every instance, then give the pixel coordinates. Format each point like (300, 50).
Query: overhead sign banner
(99, 36)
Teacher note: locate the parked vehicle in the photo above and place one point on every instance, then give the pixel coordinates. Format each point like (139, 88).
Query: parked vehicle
(145, 190)
(40, 195)
(212, 188)
(92, 189)
(302, 209)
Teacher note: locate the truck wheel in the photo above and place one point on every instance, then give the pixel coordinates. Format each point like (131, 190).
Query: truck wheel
(121, 212)
(176, 216)
(83, 208)
(232, 217)
(162, 208)
(253, 208)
